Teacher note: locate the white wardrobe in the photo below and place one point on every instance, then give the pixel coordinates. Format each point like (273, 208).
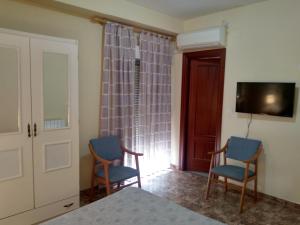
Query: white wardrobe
(39, 147)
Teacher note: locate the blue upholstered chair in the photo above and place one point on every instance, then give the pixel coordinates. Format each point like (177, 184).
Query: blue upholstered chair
(240, 149)
(105, 151)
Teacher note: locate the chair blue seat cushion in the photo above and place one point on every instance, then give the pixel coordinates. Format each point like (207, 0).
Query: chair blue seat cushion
(119, 173)
(231, 171)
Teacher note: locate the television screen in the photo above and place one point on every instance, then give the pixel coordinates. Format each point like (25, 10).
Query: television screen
(275, 99)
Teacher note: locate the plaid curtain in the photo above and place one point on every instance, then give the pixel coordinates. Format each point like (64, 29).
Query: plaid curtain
(117, 98)
(153, 136)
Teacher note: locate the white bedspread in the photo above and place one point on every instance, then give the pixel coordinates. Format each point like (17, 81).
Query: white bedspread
(132, 206)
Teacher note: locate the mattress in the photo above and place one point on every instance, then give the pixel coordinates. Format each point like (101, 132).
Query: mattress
(132, 206)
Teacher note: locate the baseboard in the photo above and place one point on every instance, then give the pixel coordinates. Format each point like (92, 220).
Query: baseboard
(174, 167)
(249, 191)
(234, 187)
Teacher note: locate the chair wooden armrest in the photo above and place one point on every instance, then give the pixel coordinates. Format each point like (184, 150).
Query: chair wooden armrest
(104, 161)
(136, 156)
(219, 151)
(131, 152)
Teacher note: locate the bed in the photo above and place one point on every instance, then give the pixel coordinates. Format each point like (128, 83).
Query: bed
(132, 206)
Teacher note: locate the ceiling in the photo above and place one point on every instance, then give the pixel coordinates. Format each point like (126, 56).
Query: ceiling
(187, 9)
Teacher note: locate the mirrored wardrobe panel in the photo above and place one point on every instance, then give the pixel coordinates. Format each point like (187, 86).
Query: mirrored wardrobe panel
(9, 90)
(55, 90)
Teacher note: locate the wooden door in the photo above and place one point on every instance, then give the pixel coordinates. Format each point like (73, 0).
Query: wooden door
(16, 178)
(55, 120)
(204, 80)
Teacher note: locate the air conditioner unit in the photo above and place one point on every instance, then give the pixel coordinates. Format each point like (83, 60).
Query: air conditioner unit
(207, 38)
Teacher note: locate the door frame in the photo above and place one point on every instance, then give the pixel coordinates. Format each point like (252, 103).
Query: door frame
(219, 54)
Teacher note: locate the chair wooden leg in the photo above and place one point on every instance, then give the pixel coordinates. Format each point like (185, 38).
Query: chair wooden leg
(139, 181)
(243, 196)
(225, 184)
(92, 189)
(106, 177)
(255, 189)
(210, 175)
(107, 186)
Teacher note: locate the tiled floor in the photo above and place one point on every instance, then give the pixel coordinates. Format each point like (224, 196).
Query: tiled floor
(187, 189)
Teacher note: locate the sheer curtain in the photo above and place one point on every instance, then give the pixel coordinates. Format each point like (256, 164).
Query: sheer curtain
(117, 97)
(153, 133)
(136, 100)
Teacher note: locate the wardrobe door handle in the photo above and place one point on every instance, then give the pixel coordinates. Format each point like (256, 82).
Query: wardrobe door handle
(34, 130)
(29, 130)
(68, 205)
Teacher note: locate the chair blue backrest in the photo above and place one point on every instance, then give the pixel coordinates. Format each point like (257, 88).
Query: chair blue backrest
(242, 148)
(108, 148)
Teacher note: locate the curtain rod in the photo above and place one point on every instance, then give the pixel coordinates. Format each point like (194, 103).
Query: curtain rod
(136, 29)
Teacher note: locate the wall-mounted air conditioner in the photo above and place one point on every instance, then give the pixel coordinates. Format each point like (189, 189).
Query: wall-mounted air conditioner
(207, 38)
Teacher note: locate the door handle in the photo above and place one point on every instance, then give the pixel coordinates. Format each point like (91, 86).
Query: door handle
(29, 130)
(34, 130)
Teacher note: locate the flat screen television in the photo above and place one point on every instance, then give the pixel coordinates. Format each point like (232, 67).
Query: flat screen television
(275, 99)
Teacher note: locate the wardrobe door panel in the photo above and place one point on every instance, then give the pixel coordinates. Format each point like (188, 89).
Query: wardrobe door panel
(55, 119)
(16, 178)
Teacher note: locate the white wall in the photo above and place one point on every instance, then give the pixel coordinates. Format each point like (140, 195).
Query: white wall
(29, 18)
(129, 12)
(176, 77)
(263, 45)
